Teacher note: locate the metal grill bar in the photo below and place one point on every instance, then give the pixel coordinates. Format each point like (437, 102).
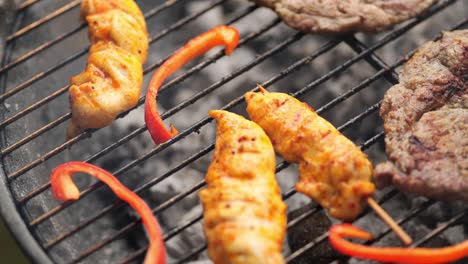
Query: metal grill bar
(64, 89)
(31, 108)
(375, 61)
(87, 133)
(388, 38)
(363, 52)
(367, 112)
(174, 200)
(392, 78)
(76, 29)
(173, 232)
(82, 52)
(384, 69)
(193, 253)
(43, 20)
(441, 228)
(307, 247)
(286, 43)
(148, 185)
(39, 76)
(206, 120)
(297, 219)
(194, 98)
(138, 190)
(379, 136)
(180, 228)
(35, 134)
(41, 48)
(134, 224)
(378, 75)
(132, 134)
(26, 4)
(387, 230)
(411, 214)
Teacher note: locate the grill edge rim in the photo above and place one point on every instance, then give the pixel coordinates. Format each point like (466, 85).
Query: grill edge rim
(15, 224)
(9, 212)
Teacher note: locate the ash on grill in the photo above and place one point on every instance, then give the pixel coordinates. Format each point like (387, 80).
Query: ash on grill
(168, 158)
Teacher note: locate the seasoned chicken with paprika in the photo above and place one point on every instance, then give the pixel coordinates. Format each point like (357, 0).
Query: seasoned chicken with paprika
(333, 171)
(244, 215)
(111, 83)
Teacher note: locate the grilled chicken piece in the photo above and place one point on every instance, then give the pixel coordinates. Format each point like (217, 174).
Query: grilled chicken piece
(333, 171)
(111, 83)
(92, 7)
(120, 28)
(244, 215)
(345, 15)
(109, 86)
(426, 122)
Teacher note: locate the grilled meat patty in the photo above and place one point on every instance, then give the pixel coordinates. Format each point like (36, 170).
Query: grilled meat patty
(244, 215)
(345, 15)
(111, 83)
(426, 122)
(333, 171)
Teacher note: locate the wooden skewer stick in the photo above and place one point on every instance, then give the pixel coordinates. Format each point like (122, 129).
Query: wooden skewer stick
(404, 237)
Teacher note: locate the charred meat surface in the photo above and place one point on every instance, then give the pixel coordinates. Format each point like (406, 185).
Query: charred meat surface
(344, 16)
(244, 215)
(111, 83)
(333, 171)
(426, 122)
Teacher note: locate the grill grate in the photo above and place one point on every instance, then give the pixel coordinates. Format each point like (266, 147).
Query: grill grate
(31, 168)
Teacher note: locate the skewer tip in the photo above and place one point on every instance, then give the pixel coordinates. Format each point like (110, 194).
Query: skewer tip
(261, 88)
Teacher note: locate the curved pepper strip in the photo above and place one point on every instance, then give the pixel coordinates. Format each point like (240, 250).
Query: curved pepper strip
(338, 232)
(221, 35)
(64, 189)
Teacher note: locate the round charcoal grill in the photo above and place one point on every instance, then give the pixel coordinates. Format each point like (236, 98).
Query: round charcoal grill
(342, 77)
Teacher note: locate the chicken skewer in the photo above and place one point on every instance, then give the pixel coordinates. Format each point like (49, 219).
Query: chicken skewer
(333, 171)
(244, 215)
(111, 83)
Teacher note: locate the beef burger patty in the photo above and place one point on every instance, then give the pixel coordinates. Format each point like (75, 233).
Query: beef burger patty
(426, 122)
(345, 15)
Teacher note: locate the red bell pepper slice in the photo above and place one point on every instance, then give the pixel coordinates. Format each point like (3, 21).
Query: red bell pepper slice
(64, 189)
(391, 254)
(221, 35)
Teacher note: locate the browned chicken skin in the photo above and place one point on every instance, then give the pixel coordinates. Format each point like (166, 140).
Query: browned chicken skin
(333, 171)
(244, 215)
(111, 83)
